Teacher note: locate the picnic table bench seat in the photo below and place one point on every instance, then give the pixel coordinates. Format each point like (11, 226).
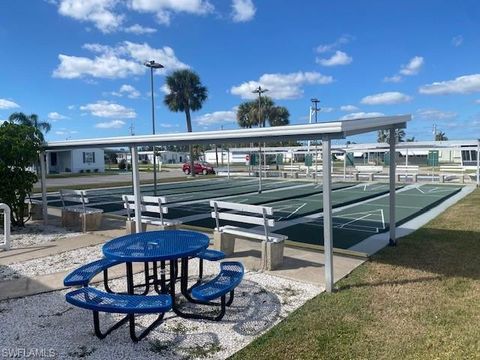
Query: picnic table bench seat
(209, 255)
(84, 274)
(98, 301)
(230, 276)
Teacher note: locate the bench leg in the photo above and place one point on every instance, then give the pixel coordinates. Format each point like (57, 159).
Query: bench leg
(96, 325)
(200, 270)
(105, 281)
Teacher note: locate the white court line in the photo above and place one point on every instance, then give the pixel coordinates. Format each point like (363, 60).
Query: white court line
(296, 210)
(354, 220)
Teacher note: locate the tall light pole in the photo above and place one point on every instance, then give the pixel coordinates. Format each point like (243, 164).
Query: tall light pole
(260, 91)
(153, 65)
(315, 110)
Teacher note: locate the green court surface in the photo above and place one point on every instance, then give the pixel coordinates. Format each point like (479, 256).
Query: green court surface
(265, 198)
(355, 224)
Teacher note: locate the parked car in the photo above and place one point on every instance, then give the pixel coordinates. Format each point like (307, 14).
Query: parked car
(200, 168)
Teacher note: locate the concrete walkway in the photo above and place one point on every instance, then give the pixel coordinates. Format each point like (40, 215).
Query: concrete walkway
(300, 264)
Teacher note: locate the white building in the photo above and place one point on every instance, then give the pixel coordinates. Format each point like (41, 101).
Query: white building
(75, 161)
(164, 157)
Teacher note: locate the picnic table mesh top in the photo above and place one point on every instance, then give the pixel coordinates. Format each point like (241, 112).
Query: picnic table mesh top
(156, 245)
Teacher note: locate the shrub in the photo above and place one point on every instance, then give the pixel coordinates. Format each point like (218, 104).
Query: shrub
(68, 170)
(88, 170)
(19, 148)
(81, 171)
(95, 170)
(122, 165)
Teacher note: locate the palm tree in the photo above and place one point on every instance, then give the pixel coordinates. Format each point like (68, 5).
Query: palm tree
(250, 114)
(31, 120)
(441, 136)
(186, 94)
(383, 136)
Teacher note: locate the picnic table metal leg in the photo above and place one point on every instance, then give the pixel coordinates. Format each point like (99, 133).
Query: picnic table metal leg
(96, 325)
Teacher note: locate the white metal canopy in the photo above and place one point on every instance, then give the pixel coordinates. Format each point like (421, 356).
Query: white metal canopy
(325, 131)
(333, 130)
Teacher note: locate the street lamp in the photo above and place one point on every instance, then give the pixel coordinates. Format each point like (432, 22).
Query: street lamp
(260, 91)
(316, 109)
(153, 65)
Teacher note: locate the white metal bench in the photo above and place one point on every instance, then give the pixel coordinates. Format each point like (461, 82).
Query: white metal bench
(151, 204)
(79, 216)
(224, 236)
(367, 170)
(452, 171)
(407, 170)
(293, 170)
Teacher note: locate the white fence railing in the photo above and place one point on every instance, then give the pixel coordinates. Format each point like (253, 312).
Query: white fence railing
(6, 227)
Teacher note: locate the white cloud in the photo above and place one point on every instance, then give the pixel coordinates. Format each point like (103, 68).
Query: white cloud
(114, 124)
(217, 118)
(348, 108)
(243, 10)
(457, 40)
(7, 104)
(393, 79)
(413, 66)
(326, 109)
(119, 61)
(386, 98)
(281, 86)
(342, 40)
(163, 9)
(461, 85)
(109, 110)
(71, 107)
(127, 90)
(361, 115)
(339, 58)
(434, 114)
(138, 29)
(99, 12)
(167, 125)
(56, 116)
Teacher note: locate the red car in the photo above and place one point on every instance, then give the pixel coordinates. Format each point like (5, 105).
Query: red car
(200, 168)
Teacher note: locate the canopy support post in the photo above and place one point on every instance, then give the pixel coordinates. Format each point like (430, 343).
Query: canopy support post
(393, 240)
(327, 214)
(478, 164)
(43, 185)
(136, 189)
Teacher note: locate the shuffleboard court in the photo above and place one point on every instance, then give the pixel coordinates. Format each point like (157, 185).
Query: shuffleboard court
(265, 198)
(353, 225)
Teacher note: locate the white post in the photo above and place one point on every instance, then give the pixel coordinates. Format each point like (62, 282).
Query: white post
(406, 165)
(393, 240)
(327, 214)
(6, 224)
(345, 166)
(260, 169)
(478, 164)
(136, 190)
(228, 163)
(43, 185)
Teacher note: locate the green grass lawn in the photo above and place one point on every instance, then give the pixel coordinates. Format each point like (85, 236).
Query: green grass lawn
(419, 300)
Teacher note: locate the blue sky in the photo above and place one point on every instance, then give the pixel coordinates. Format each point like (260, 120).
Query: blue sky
(79, 65)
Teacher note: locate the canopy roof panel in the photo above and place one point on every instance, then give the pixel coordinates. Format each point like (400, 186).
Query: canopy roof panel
(332, 130)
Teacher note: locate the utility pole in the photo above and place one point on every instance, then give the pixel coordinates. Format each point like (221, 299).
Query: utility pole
(260, 91)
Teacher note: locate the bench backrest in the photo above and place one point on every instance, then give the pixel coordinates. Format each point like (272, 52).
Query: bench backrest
(245, 214)
(153, 204)
(452, 168)
(407, 168)
(369, 168)
(78, 196)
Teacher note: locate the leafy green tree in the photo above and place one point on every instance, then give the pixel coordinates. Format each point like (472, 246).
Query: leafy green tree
(383, 136)
(31, 120)
(186, 94)
(255, 113)
(19, 149)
